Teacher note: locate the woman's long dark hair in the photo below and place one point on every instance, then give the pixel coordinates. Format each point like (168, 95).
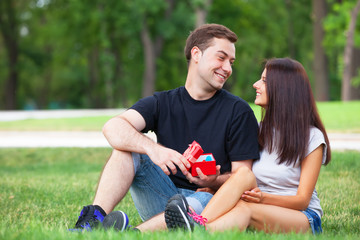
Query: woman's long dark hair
(290, 113)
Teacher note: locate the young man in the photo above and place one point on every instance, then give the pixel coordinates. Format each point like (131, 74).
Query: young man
(220, 122)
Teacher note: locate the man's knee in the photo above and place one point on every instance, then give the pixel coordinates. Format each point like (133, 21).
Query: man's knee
(199, 200)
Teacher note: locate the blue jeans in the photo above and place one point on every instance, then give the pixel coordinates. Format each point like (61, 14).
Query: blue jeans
(314, 220)
(152, 188)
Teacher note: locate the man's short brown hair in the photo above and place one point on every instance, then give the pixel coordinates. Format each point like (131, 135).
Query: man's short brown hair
(203, 35)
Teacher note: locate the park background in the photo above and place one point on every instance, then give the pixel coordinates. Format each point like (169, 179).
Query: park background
(57, 54)
(71, 54)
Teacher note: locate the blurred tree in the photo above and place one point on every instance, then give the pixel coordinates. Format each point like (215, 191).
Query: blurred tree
(158, 22)
(336, 26)
(275, 29)
(95, 54)
(355, 75)
(322, 83)
(171, 64)
(348, 55)
(153, 39)
(9, 28)
(201, 11)
(90, 62)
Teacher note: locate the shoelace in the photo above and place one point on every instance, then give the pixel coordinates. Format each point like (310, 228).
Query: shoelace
(198, 218)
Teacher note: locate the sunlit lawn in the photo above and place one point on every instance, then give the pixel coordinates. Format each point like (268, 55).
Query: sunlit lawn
(337, 117)
(44, 189)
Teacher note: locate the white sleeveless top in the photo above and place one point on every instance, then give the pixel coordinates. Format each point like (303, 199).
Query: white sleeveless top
(280, 179)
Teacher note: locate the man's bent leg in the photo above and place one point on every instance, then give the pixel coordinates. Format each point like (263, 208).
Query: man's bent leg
(151, 189)
(196, 200)
(115, 180)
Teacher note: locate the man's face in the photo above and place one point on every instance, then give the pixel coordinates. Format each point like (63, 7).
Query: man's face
(215, 63)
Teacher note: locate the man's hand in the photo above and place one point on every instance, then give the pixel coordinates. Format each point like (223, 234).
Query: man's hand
(203, 180)
(167, 158)
(206, 189)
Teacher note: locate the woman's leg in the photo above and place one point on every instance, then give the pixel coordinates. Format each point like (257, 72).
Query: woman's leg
(272, 218)
(238, 217)
(229, 194)
(268, 218)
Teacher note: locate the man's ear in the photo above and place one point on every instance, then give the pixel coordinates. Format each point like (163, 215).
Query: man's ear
(196, 54)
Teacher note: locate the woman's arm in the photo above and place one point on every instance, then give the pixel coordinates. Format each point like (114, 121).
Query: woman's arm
(310, 169)
(229, 193)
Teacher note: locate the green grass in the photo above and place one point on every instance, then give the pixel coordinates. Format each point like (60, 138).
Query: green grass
(341, 116)
(337, 117)
(44, 189)
(56, 124)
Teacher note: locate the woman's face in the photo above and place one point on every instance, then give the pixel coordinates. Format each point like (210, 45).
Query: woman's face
(261, 95)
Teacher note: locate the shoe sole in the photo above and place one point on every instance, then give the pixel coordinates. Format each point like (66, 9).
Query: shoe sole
(117, 220)
(175, 218)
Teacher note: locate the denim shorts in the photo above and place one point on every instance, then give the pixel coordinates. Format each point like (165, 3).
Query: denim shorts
(152, 188)
(314, 220)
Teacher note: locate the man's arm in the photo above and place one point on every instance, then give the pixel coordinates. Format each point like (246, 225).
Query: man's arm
(215, 181)
(123, 133)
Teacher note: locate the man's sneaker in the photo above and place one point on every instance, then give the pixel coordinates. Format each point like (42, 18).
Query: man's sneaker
(180, 200)
(91, 217)
(178, 215)
(117, 220)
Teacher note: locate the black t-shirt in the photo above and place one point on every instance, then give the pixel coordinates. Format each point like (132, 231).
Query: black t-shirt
(223, 125)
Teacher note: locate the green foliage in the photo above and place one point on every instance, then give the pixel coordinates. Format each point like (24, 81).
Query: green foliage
(89, 54)
(274, 29)
(44, 189)
(336, 25)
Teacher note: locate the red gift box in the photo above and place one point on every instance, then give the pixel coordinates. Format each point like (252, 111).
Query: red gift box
(193, 152)
(206, 163)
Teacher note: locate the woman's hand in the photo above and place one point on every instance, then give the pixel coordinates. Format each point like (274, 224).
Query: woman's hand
(253, 196)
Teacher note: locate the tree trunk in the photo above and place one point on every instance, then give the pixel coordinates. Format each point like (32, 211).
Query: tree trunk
(348, 54)
(93, 68)
(355, 91)
(291, 45)
(150, 62)
(45, 89)
(322, 86)
(118, 73)
(201, 12)
(109, 83)
(8, 27)
(152, 50)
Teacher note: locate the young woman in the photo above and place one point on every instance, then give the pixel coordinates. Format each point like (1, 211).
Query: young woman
(279, 194)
